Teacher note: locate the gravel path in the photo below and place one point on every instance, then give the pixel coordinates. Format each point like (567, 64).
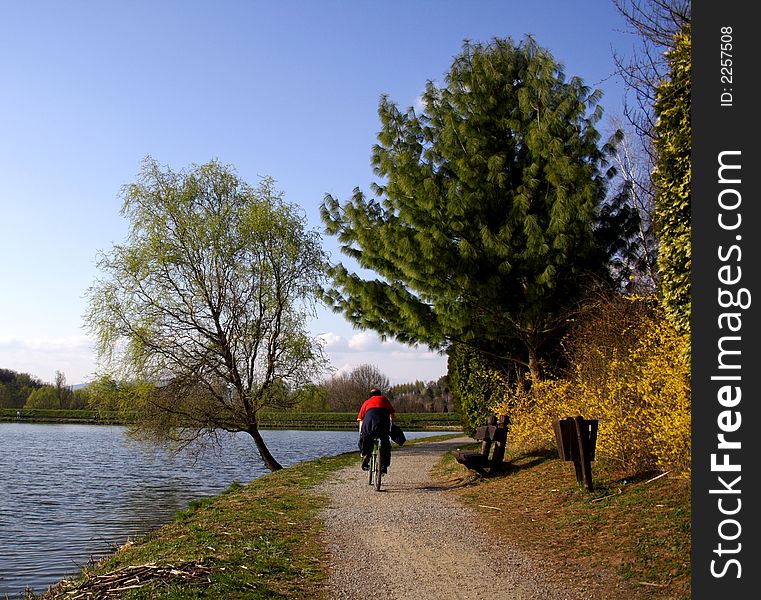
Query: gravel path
(412, 540)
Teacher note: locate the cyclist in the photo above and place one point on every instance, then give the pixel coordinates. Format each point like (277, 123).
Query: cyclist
(375, 418)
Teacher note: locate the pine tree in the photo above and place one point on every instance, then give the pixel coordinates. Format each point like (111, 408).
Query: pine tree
(482, 229)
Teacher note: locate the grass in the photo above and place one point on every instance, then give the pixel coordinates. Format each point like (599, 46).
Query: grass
(261, 540)
(628, 539)
(631, 536)
(50, 415)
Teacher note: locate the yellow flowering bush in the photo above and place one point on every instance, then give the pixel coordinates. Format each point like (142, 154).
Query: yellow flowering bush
(636, 384)
(665, 388)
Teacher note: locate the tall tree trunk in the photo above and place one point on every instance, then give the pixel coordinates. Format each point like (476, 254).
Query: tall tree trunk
(534, 366)
(264, 452)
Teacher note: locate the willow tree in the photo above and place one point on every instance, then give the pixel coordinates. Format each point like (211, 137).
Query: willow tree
(481, 230)
(207, 300)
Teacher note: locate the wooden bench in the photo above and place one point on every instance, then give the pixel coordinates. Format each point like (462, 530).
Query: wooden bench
(493, 438)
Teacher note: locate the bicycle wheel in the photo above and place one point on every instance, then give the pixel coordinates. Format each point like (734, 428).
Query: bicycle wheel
(371, 471)
(378, 469)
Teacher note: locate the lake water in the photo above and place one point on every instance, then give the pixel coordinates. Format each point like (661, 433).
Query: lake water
(69, 493)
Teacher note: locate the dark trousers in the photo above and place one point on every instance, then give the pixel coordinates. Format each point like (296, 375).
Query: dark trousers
(376, 423)
(366, 442)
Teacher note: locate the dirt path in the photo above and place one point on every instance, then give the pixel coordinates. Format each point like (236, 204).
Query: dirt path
(412, 540)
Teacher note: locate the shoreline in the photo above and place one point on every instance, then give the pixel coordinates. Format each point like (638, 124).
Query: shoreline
(292, 488)
(268, 420)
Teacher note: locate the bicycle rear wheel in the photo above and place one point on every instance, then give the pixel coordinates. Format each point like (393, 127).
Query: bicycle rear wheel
(371, 470)
(378, 470)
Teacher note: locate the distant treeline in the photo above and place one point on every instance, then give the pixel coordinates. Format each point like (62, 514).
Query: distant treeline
(15, 388)
(25, 391)
(344, 392)
(268, 419)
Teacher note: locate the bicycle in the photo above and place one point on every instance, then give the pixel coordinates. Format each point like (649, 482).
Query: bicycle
(376, 468)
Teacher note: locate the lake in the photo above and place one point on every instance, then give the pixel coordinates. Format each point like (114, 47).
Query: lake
(71, 493)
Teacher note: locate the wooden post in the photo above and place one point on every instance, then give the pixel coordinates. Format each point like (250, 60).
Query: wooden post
(486, 444)
(563, 437)
(584, 464)
(576, 438)
(500, 443)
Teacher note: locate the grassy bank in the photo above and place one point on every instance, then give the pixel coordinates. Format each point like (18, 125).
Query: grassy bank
(630, 538)
(262, 540)
(268, 419)
(255, 541)
(48, 415)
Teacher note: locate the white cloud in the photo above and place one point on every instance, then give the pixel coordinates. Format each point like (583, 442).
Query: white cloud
(73, 356)
(364, 341)
(345, 368)
(331, 340)
(399, 362)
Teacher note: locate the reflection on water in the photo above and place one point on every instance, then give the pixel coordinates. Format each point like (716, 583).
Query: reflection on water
(69, 493)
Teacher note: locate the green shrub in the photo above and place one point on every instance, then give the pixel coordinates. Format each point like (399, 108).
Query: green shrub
(477, 384)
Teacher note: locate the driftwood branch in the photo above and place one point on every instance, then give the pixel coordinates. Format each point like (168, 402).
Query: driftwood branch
(657, 477)
(116, 583)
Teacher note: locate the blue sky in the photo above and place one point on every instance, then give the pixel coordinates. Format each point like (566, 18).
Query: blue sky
(283, 88)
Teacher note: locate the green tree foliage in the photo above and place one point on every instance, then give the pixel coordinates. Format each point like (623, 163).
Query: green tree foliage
(44, 397)
(311, 398)
(79, 399)
(482, 231)
(672, 178)
(105, 395)
(208, 299)
(63, 392)
(617, 232)
(476, 385)
(16, 388)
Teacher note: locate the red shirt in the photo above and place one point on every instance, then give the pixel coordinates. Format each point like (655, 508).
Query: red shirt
(375, 402)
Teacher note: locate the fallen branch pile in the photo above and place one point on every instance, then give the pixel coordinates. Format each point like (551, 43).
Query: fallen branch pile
(127, 579)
